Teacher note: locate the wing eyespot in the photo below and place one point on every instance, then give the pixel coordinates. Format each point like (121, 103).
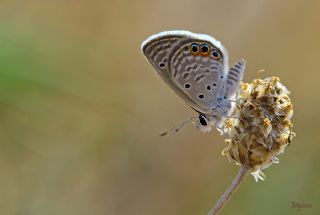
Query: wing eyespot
(215, 54)
(194, 49)
(205, 50)
(186, 49)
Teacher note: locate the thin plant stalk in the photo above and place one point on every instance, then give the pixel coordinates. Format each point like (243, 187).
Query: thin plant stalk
(231, 189)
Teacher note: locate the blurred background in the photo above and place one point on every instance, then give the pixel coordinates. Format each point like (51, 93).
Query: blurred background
(81, 110)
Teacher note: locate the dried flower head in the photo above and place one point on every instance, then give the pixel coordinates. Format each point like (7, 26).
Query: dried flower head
(261, 128)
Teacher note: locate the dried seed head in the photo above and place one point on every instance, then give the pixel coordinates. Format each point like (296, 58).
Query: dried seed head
(261, 128)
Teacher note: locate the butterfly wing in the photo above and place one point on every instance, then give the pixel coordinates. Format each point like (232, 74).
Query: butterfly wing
(234, 78)
(198, 78)
(157, 49)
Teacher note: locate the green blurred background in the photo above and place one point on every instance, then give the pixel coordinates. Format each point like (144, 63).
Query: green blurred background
(81, 110)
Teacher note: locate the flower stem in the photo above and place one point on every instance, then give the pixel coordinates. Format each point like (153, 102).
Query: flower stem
(228, 193)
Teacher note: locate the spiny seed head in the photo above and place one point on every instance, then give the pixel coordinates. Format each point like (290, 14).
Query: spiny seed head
(261, 127)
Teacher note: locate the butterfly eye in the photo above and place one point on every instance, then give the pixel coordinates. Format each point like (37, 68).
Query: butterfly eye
(215, 54)
(203, 120)
(194, 48)
(204, 49)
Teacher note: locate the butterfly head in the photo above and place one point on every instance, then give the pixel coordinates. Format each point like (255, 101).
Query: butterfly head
(203, 123)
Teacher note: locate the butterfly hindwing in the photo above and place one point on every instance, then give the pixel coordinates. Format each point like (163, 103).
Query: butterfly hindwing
(197, 73)
(234, 78)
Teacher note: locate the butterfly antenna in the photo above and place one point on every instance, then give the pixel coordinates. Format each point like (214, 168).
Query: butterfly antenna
(178, 126)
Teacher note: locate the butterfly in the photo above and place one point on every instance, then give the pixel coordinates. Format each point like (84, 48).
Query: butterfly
(195, 66)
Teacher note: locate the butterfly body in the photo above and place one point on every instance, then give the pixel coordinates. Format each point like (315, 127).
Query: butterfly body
(195, 66)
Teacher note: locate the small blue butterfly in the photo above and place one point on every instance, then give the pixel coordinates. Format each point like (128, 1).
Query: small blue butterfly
(195, 66)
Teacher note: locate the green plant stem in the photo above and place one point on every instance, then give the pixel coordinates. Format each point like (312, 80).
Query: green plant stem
(231, 189)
